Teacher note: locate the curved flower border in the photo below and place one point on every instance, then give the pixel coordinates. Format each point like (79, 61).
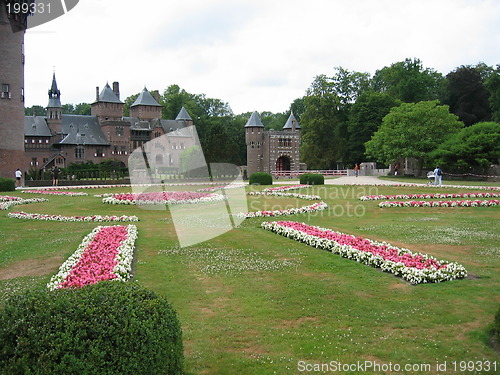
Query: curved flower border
(54, 192)
(292, 211)
(464, 203)
(282, 194)
(286, 188)
(94, 218)
(429, 196)
(6, 198)
(161, 198)
(9, 204)
(416, 268)
(104, 254)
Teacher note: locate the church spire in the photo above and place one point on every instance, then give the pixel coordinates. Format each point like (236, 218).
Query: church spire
(54, 94)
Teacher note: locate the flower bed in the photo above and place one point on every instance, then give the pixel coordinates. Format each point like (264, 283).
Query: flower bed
(221, 187)
(282, 194)
(170, 197)
(5, 198)
(416, 268)
(94, 218)
(9, 204)
(291, 211)
(286, 188)
(429, 196)
(465, 203)
(54, 192)
(104, 254)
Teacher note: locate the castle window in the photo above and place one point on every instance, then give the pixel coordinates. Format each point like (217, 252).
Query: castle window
(79, 152)
(5, 91)
(119, 131)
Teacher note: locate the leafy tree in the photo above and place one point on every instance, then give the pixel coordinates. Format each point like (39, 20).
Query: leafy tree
(365, 118)
(412, 130)
(127, 103)
(298, 107)
(273, 121)
(492, 84)
(408, 81)
(83, 109)
(36, 110)
(349, 85)
(68, 108)
(219, 146)
(475, 147)
(467, 96)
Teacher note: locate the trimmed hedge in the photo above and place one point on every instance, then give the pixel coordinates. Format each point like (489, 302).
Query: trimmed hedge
(312, 179)
(7, 184)
(261, 178)
(110, 327)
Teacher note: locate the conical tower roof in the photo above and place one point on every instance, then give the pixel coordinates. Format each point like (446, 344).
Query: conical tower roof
(254, 121)
(108, 95)
(290, 121)
(145, 98)
(183, 115)
(54, 94)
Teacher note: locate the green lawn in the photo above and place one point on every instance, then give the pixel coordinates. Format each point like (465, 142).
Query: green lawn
(253, 302)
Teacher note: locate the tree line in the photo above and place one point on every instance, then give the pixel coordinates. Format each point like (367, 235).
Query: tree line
(403, 110)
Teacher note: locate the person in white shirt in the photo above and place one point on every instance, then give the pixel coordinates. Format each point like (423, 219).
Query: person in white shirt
(19, 175)
(438, 176)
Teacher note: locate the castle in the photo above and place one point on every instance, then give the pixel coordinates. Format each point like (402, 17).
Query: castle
(61, 139)
(273, 151)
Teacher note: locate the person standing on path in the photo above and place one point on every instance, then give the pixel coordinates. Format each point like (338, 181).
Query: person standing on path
(19, 175)
(356, 170)
(438, 176)
(55, 176)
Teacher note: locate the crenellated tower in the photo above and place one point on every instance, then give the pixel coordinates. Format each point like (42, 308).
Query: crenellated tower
(254, 137)
(54, 109)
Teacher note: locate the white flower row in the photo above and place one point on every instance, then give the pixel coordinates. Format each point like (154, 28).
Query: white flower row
(286, 188)
(281, 194)
(291, 211)
(212, 198)
(412, 274)
(93, 218)
(54, 192)
(9, 204)
(430, 196)
(123, 269)
(464, 203)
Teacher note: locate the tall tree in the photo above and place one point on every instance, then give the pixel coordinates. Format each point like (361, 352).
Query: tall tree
(349, 85)
(476, 147)
(408, 81)
(36, 110)
(467, 96)
(492, 84)
(365, 118)
(413, 130)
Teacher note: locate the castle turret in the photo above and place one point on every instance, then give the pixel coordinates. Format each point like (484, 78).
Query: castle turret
(54, 108)
(184, 116)
(12, 28)
(107, 105)
(292, 123)
(254, 137)
(145, 107)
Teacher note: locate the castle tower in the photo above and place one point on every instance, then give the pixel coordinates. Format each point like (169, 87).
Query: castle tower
(184, 116)
(54, 109)
(145, 107)
(254, 137)
(107, 105)
(12, 29)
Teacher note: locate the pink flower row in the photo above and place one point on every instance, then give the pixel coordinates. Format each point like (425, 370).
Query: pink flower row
(465, 203)
(291, 211)
(171, 197)
(105, 254)
(5, 198)
(54, 192)
(430, 196)
(414, 267)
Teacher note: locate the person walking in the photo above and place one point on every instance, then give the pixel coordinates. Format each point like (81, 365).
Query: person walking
(19, 176)
(356, 170)
(55, 176)
(438, 176)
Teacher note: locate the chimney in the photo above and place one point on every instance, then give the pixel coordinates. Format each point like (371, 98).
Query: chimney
(116, 89)
(97, 94)
(156, 95)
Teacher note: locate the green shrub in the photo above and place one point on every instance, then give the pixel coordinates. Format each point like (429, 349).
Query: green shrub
(312, 179)
(107, 328)
(496, 328)
(261, 178)
(7, 184)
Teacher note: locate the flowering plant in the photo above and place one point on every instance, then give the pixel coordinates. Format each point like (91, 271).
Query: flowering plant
(286, 188)
(93, 218)
(281, 194)
(291, 211)
(430, 196)
(104, 254)
(170, 197)
(5, 198)
(9, 204)
(464, 203)
(54, 192)
(416, 268)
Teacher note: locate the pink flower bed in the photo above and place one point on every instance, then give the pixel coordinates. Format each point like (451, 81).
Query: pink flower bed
(465, 203)
(416, 268)
(171, 197)
(430, 196)
(105, 254)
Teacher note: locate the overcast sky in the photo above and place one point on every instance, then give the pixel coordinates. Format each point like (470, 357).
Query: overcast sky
(254, 54)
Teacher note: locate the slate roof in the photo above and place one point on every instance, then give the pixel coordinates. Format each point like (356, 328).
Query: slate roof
(108, 95)
(288, 124)
(254, 121)
(183, 115)
(145, 98)
(36, 126)
(54, 94)
(82, 130)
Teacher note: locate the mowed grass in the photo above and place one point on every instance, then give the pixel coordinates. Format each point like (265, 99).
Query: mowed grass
(253, 302)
